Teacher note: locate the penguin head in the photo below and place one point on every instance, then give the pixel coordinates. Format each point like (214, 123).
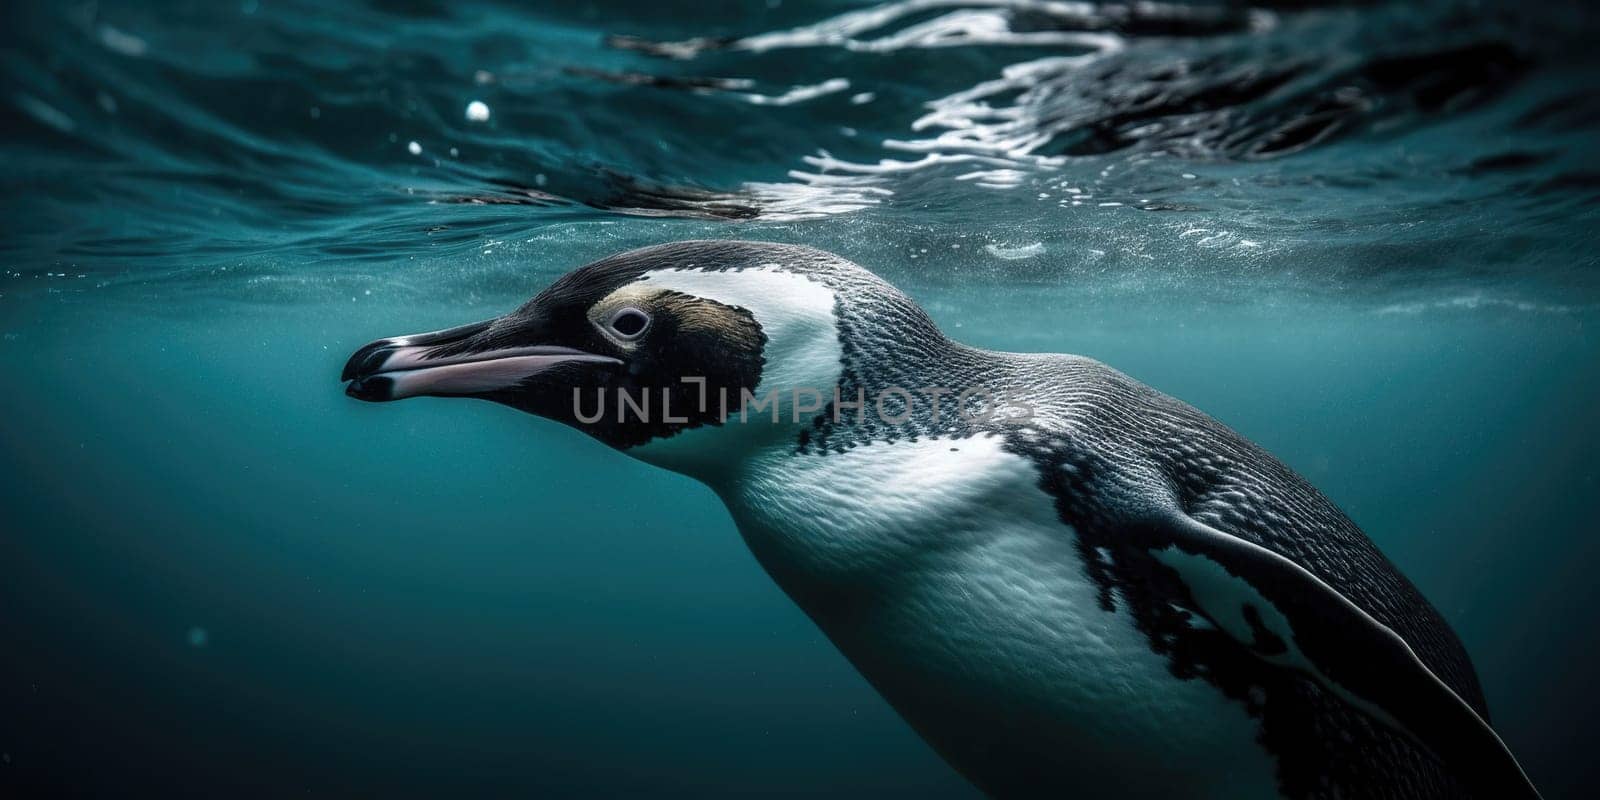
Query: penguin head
(680, 354)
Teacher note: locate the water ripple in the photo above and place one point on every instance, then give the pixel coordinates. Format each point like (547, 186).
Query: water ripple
(153, 140)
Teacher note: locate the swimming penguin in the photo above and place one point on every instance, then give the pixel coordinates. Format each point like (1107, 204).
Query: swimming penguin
(1067, 582)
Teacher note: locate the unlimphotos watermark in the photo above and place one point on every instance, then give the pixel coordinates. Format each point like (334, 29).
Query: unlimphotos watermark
(892, 405)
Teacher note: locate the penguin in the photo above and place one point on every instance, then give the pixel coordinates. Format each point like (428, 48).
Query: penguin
(1065, 581)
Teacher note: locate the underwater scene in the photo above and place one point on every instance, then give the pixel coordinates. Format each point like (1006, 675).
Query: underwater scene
(1360, 237)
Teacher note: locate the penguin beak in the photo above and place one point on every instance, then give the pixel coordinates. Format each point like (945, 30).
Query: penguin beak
(445, 364)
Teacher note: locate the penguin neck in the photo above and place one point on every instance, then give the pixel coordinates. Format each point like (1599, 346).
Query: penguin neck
(717, 455)
(837, 502)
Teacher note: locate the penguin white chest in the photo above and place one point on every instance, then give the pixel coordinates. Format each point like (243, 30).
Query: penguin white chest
(943, 572)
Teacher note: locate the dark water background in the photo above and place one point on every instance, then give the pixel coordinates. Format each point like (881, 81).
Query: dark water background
(1362, 235)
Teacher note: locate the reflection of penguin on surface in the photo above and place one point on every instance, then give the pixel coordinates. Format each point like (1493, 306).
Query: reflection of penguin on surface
(1116, 596)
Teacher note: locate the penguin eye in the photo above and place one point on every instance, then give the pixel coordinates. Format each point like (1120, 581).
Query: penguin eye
(629, 323)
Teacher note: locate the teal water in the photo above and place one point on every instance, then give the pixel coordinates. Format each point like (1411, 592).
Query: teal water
(219, 576)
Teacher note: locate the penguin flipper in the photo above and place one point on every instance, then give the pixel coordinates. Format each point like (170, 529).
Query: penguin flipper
(1290, 617)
